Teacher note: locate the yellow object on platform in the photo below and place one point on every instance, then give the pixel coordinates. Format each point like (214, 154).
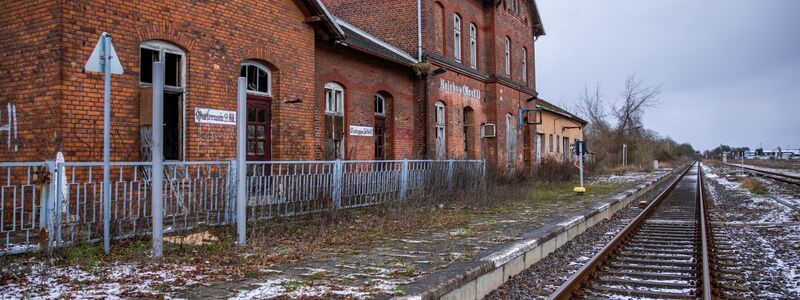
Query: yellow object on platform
(579, 190)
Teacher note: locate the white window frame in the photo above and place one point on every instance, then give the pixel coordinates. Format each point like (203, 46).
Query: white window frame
(440, 120)
(334, 99)
(164, 47)
(524, 64)
(457, 37)
(473, 45)
(382, 100)
(269, 78)
(508, 57)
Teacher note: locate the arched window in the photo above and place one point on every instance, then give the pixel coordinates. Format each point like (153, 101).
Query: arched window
(259, 110)
(440, 130)
(457, 37)
(508, 57)
(259, 78)
(525, 64)
(473, 45)
(334, 121)
(174, 59)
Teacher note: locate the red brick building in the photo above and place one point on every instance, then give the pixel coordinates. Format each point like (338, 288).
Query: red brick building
(346, 79)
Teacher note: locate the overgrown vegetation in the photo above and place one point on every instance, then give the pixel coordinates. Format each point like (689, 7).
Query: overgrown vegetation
(754, 186)
(612, 124)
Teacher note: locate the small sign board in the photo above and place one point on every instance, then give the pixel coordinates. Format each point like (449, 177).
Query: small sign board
(214, 116)
(96, 62)
(360, 130)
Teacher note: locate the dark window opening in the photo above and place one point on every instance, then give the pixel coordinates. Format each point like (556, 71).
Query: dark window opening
(172, 126)
(172, 72)
(148, 57)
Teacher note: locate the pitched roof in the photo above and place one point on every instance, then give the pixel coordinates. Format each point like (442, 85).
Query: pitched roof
(317, 13)
(547, 106)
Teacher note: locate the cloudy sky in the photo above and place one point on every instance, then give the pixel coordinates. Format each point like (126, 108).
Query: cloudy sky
(730, 69)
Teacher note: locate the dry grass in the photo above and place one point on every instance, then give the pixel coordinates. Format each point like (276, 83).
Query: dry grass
(753, 185)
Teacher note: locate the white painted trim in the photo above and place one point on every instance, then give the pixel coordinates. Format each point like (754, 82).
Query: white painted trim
(378, 41)
(269, 77)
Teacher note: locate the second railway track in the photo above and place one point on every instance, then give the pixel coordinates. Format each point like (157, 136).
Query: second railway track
(662, 254)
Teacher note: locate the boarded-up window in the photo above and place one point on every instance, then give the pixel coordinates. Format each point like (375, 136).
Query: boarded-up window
(438, 25)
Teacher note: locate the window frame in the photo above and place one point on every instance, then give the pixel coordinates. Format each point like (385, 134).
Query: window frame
(473, 45)
(382, 99)
(261, 67)
(334, 87)
(457, 38)
(508, 56)
(440, 120)
(524, 64)
(164, 47)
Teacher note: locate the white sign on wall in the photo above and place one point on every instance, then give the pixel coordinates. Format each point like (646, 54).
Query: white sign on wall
(214, 116)
(449, 86)
(360, 130)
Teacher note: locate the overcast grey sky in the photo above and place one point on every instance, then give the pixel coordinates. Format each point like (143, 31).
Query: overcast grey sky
(730, 68)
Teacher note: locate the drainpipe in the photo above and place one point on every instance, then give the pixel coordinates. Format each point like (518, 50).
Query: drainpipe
(419, 30)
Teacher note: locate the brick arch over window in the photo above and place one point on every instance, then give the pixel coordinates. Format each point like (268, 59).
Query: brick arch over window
(439, 21)
(169, 34)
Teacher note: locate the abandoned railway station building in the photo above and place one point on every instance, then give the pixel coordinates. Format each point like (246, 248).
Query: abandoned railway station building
(327, 79)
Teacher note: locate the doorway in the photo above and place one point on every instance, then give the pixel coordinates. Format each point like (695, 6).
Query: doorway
(259, 131)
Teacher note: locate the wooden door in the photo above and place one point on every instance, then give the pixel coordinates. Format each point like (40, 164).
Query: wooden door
(259, 130)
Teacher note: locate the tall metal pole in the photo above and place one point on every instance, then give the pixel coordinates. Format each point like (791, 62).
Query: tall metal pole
(241, 161)
(157, 156)
(580, 157)
(106, 144)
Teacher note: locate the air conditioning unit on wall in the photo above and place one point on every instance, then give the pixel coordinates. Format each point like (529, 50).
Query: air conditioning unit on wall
(488, 130)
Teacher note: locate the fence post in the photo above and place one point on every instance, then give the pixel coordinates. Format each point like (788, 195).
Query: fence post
(47, 206)
(338, 183)
(157, 160)
(230, 206)
(241, 161)
(404, 179)
(450, 173)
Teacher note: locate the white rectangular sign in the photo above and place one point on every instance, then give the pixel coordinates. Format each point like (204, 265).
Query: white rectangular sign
(360, 131)
(214, 116)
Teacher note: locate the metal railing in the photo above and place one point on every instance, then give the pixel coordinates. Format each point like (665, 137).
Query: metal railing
(57, 204)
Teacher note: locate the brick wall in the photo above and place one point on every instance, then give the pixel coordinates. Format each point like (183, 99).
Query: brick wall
(217, 36)
(29, 80)
(394, 21)
(362, 76)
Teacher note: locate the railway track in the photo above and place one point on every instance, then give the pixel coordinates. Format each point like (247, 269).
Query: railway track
(663, 253)
(786, 178)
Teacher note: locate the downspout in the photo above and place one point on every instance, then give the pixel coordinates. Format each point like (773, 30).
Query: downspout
(419, 30)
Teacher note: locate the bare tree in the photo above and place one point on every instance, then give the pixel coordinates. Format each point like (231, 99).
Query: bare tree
(591, 106)
(636, 98)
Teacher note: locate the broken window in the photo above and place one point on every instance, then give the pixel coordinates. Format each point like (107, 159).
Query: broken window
(380, 126)
(258, 78)
(174, 87)
(334, 121)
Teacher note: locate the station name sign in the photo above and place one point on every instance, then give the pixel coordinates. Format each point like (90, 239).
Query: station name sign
(214, 116)
(360, 130)
(449, 86)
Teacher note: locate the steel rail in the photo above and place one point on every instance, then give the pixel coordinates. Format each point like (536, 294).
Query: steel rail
(576, 281)
(704, 233)
(791, 179)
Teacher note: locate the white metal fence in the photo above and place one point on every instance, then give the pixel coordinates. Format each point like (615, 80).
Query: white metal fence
(49, 204)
